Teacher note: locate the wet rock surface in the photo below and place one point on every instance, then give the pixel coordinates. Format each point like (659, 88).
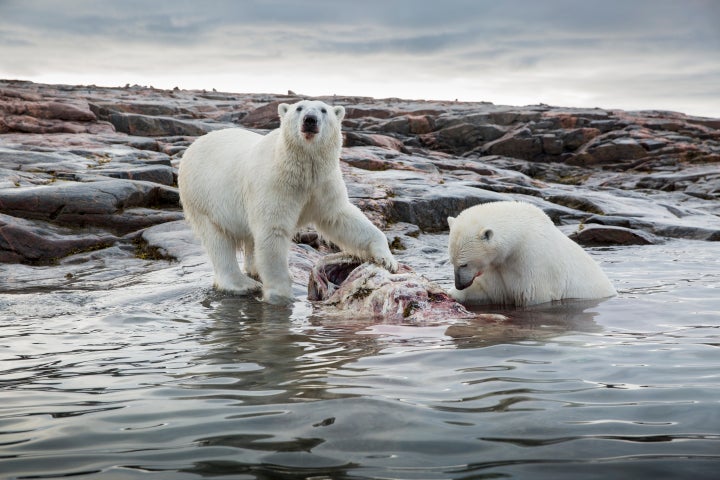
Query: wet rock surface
(88, 171)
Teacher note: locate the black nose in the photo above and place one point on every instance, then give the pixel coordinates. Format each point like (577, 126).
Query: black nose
(310, 121)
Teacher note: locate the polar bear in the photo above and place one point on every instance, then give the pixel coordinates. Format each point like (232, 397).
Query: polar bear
(511, 253)
(243, 190)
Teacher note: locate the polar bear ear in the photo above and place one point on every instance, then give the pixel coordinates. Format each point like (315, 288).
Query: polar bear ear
(450, 221)
(339, 112)
(486, 234)
(283, 109)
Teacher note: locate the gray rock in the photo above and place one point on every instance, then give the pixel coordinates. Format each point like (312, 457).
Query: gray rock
(552, 144)
(36, 242)
(621, 150)
(520, 143)
(462, 137)
(428, 206)
(161, 174)
(102, 203)
(602, 235)
(147, 126)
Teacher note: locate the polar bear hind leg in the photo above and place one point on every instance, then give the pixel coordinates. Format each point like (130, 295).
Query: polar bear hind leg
(222, 250)
(248, 248)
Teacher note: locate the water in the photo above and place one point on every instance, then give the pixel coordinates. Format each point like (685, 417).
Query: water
(125, 369)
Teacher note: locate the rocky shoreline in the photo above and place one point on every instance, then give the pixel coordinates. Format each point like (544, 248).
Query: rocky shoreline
(89, 169)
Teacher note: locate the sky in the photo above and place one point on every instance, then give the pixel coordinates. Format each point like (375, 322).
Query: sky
(629, 54)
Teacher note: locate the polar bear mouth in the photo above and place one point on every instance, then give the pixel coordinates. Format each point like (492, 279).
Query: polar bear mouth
(309, 126)
(462, 283)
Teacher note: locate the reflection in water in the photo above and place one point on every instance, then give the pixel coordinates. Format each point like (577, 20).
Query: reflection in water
(537, 322)
(264, 349)
(271, 361)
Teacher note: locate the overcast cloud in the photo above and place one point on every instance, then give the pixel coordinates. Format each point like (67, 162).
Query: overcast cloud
(632, 54)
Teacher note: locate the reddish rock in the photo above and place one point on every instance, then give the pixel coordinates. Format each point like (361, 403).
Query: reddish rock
(356, 139)
(363, 111)
(9, 93)
(408, 125)
(367, 162)
(30, 113)
(565, 120)
(266, 117)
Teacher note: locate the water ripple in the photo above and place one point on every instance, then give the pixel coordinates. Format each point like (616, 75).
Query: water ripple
(172, 381)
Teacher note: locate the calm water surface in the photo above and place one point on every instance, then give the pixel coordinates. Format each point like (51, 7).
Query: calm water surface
(131, 371)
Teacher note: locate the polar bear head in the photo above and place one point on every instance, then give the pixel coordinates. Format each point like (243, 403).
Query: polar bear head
(311, 122)
(485, 236)
(472, 249)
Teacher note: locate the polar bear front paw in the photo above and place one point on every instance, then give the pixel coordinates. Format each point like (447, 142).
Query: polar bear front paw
(388, 262)
(379, 254)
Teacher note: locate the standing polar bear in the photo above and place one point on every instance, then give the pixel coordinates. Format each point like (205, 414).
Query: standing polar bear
(243, 190)
(511, 253)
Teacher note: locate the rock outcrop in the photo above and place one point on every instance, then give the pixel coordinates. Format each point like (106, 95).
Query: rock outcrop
(87, 168)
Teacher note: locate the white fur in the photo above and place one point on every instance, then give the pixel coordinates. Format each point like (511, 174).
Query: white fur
(521, 258)
(243, 190)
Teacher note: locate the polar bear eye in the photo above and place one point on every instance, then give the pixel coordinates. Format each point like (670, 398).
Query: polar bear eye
(323, 110)
(299, 109)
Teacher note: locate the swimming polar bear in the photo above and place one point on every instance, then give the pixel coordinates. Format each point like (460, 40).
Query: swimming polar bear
(511, 253)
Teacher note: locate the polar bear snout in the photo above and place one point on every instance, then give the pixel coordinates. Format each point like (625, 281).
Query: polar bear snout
(310, 123)
(464, 276)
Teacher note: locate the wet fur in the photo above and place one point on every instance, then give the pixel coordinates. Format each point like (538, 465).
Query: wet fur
(525, 260)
